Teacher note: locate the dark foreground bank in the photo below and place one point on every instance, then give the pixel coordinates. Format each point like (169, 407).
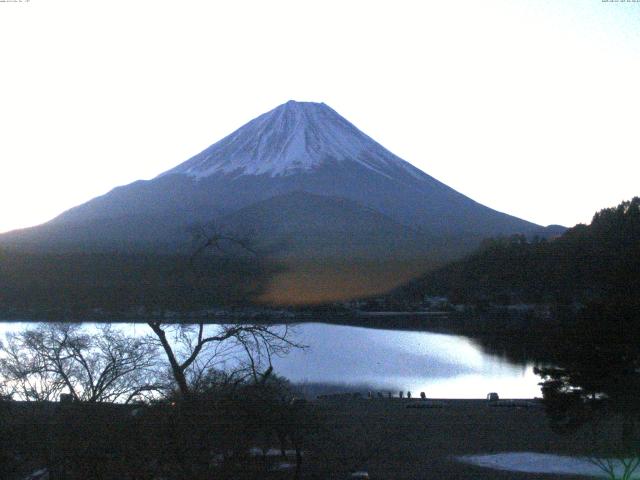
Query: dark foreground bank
(383, 437)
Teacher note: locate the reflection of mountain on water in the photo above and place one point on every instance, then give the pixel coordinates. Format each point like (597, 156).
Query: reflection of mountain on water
(521, 338)
(347, 358)
(338, 352)
(442, 364)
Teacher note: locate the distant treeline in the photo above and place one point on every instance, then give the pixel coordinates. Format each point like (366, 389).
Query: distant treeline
(587, 263)
(77, 286)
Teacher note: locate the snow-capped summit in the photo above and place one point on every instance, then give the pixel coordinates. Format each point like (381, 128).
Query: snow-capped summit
(293, 137)
(299, 175)
(347, 216)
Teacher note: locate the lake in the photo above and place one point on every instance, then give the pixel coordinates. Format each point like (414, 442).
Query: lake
(441, 365)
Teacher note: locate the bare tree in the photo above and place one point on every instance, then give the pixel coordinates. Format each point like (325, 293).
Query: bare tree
(621, 468)
(194, 350)
(23, 373)
(110, 366)
(211, 238)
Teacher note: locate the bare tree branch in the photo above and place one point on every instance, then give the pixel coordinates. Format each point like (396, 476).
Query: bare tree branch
(109, 366)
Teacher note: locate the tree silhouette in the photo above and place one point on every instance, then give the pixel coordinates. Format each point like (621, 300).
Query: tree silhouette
(106, 366)
(596, 376)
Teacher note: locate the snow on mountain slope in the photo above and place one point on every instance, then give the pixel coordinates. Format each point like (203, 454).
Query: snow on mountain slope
(292, 138)
(296, 147)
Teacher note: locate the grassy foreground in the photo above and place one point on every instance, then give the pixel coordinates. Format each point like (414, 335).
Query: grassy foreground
(342, 435)
(390, 441)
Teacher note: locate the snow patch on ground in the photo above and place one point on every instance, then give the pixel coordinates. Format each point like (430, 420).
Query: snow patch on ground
(531, 462)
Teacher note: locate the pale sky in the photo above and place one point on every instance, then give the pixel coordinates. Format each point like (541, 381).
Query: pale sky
(529, 107)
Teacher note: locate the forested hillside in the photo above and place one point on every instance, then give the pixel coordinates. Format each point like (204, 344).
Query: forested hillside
(586, 263)
(77, 286)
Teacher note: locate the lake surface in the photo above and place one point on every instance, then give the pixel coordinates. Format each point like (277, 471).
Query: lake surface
(442, 366)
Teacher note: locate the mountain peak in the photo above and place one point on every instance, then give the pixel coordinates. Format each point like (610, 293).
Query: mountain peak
(295, 106)
(302, 105)
(294, 137)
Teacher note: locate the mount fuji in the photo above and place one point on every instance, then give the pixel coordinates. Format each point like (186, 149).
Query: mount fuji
(301, 177)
